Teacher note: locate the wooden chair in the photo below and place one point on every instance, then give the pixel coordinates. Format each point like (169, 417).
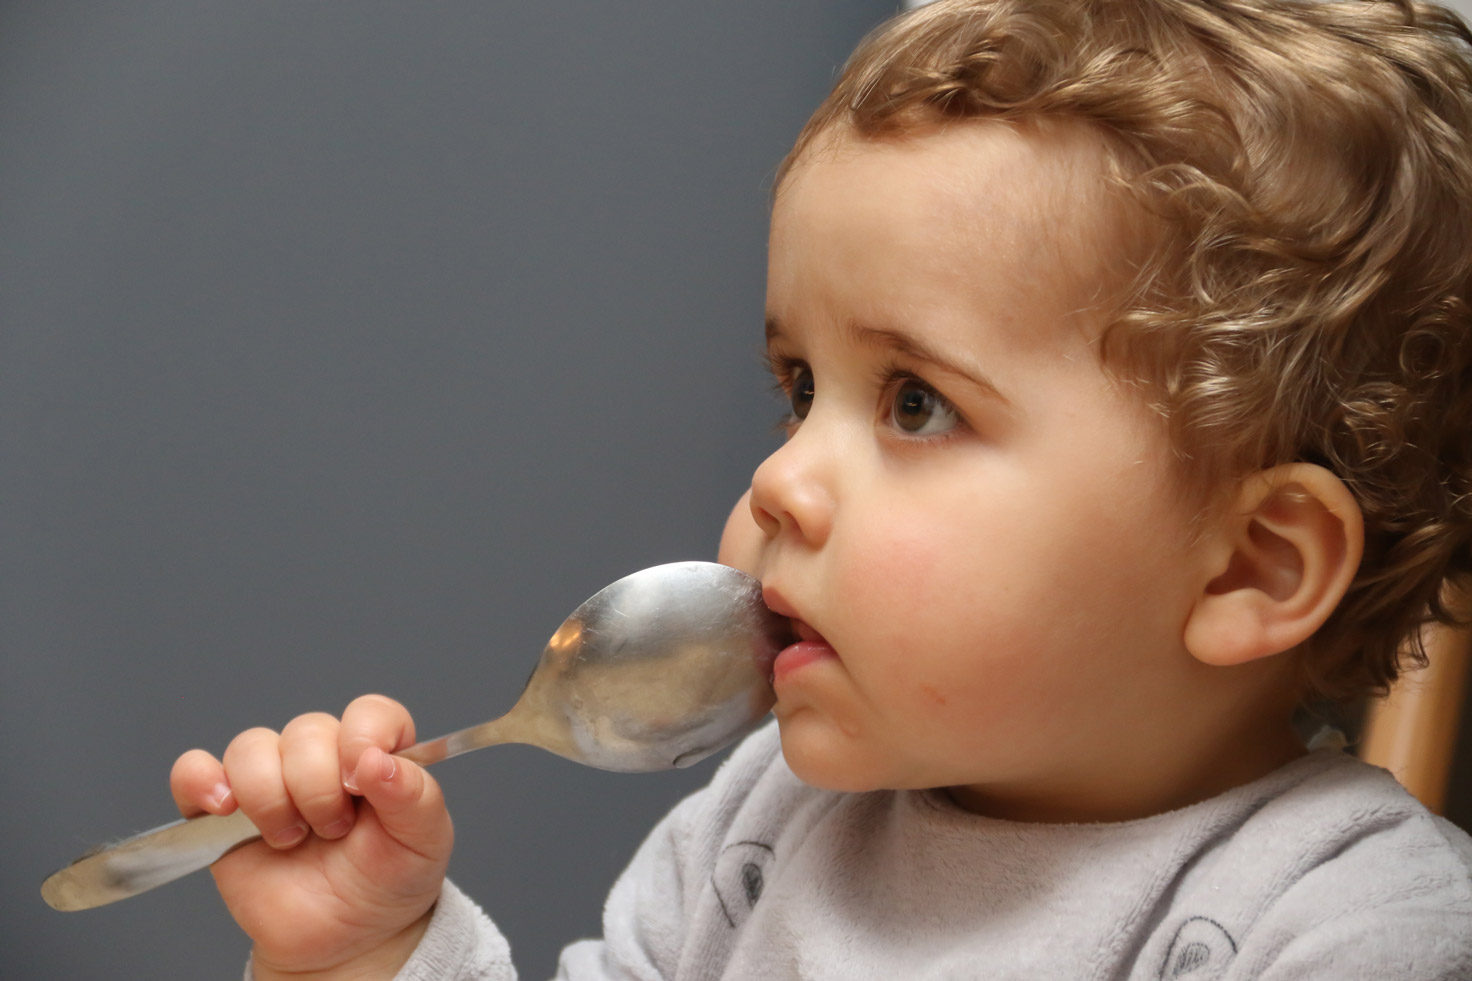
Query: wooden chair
(1413, 731)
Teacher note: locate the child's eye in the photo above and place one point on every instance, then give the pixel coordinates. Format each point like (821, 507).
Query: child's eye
(920, 410)
(801, 391)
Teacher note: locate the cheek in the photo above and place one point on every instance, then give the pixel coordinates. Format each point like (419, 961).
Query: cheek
(920, 592)
(955, 587)
(932, 571)
(941, 639)
(741, 539)
(898, 571)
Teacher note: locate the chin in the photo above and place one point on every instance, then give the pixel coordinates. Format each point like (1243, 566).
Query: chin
(822, 755)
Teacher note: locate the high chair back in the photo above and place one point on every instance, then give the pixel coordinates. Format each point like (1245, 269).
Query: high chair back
(1413, 731)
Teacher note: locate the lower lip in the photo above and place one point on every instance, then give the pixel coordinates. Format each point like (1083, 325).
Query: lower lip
(798, 656)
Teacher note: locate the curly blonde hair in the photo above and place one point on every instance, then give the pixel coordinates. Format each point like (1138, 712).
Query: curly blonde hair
(1311, 161)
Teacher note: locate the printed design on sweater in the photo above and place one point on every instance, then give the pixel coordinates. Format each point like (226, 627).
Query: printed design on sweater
(739, 877)
(1201, 949)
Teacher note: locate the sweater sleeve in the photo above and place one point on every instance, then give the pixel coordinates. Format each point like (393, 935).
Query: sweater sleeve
(460, 944)
(645, 914)
(1408, 945)
(657, 916)
(1412, 922)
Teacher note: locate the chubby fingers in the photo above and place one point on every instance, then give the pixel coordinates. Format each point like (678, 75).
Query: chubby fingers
(253, 766)
(371, 722)
(312, 774)
(291, 783)
(198, 784)
(407, 801)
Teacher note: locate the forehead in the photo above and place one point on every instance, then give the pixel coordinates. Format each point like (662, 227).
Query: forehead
(1017, 212)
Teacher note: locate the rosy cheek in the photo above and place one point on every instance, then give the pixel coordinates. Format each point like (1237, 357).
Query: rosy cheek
(891, 577)
(930, 580)
(905, 605)
(941, 616)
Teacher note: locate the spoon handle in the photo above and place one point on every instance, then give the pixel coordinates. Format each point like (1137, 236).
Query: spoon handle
(171, 851)
(148, 859)
(507, 729)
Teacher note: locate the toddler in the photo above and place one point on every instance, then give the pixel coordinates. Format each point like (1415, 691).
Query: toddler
(1126, 344)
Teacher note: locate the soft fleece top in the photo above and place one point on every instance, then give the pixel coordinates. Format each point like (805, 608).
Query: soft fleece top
(1325, 868)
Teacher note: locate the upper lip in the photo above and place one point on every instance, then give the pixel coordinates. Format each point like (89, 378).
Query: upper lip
(804, 632)
(776, 602)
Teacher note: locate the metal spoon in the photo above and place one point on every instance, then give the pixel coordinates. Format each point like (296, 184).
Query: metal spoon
(658, 670)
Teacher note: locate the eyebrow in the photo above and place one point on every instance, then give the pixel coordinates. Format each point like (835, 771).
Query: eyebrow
(907, 344)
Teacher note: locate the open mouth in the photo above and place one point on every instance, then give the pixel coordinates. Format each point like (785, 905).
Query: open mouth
(784, 634)
(807, 645)
(805, 633)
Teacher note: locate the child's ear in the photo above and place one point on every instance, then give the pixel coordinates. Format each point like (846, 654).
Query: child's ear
(1280, 561)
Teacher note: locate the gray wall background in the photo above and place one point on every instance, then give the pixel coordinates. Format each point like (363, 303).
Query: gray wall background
(346, 347)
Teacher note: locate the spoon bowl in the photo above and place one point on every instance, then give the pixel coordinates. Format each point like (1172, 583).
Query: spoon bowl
(657, 670)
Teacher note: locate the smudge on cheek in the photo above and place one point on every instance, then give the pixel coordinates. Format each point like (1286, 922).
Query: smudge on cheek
(933, 695)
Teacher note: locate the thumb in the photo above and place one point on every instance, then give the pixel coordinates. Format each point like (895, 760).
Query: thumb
(407, 802)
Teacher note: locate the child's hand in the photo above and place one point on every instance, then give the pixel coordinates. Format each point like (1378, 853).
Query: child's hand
(355, 841)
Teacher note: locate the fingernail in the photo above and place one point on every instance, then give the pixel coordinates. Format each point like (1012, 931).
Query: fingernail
(219, 796)
(337, 828)
(349, 783)
(386, 768)
(287, 837)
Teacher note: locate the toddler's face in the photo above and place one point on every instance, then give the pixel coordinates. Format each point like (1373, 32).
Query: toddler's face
(974, 528)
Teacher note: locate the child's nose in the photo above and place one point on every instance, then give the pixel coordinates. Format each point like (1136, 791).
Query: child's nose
(791, 491)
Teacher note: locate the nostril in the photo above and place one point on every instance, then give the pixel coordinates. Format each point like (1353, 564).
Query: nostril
(766, 519)
(769, 523)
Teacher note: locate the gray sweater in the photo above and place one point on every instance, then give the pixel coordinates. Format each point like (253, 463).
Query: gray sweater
(1323, 869)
